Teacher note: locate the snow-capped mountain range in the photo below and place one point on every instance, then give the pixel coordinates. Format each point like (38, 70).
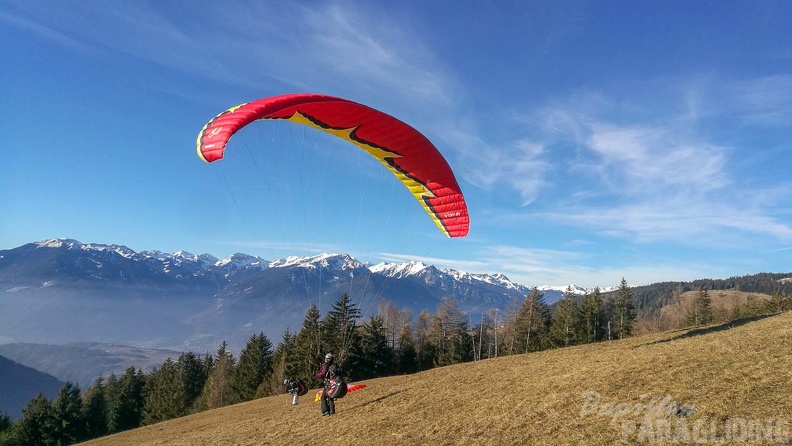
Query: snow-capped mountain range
(178, 300)
(203, 263)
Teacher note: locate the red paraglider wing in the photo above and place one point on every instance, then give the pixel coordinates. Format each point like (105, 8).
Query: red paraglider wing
(407, 153)
(354, 387)
(350, 388)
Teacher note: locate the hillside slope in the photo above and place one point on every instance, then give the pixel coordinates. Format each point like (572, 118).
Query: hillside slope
(20, 384)
(83, 362)
(721, 376)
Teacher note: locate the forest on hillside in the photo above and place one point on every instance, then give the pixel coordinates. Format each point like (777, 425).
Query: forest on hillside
(649, 299)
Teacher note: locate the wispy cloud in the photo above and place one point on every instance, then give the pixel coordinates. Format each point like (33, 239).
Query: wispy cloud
(326, 47)
(654, 158)
(366, 45)
(764, 101)
(521, 165)
(528, 262)
(694, 224)
(664, 179)
(43, 31)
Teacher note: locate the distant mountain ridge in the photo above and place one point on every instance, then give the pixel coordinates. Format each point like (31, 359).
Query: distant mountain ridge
(187, 301)
(209, 264)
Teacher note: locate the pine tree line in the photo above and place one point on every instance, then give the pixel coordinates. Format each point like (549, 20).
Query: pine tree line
(575, 320)
(649, 299)
(700, 309)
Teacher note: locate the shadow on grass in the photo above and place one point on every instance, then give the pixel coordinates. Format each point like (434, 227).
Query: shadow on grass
(375, 400)
(712, 328)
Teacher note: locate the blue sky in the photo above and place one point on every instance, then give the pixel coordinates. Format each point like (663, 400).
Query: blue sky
(592, 140)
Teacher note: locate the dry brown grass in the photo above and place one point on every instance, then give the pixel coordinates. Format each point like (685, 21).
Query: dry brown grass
(743, 370)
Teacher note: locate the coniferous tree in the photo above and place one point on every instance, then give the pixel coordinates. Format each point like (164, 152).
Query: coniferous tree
(253, 368)
(111, 390)
(8, 431)
(165, 394)
(376, 355)
(700, 312)
(407, 355)
(565, 324)
(283, 365)
(217, 391)
(339, 330)
(532, 324)
(5, 422)
(206, 366)
(69, 418)
(624, 311)
(308, 347)
(95, 409)
(592, 317)
(352, 362)
(38, 423)
(126, 410)
(192, 376)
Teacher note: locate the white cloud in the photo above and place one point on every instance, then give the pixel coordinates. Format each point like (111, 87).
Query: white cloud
(371, 48)
(521, 165)
(526, 265)
(652, 158)
(664, 179)
(694, 223)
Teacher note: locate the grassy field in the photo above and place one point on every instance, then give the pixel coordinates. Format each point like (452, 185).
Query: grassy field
(724, 380)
